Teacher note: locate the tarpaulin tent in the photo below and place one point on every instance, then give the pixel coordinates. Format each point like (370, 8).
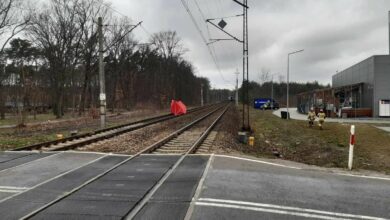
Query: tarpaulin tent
(178, 108)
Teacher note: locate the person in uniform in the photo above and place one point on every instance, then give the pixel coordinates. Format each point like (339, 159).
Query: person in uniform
(321, 118)
(311, 116)
(265, 105)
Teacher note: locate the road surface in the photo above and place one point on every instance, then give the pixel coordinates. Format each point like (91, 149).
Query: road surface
(74, 185)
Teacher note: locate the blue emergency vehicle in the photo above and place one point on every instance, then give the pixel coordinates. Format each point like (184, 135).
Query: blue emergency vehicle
(260, 102)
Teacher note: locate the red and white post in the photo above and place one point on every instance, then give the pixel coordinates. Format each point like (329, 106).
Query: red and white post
(351, 145)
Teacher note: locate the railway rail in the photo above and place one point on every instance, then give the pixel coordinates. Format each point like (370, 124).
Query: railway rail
(73, 142)
(187, 144)
(185, 140)
(178, 159)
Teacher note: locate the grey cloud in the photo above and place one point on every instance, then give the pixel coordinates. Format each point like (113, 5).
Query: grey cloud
(334, 33)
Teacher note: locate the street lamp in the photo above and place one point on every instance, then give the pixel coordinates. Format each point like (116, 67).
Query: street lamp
(288, 79)
(272, 90)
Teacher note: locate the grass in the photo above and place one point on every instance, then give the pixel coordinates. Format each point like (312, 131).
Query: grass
(12, 138)
(327, 148)
(8, 141)
(13, 119)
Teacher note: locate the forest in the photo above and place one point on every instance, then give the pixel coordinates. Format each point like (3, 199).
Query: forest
(264, 90)
(49, 61)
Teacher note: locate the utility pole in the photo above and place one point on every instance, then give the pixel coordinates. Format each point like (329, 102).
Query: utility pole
(245, 47)
(102, 95)
(236, 97)
(245, 59)
(272, 91)
(201, 94)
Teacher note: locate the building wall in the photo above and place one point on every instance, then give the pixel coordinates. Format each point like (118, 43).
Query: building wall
(374, 72)
(382, 81)
(362, 72)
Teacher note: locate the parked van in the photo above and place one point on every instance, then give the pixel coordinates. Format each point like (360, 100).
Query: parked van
(260, 102)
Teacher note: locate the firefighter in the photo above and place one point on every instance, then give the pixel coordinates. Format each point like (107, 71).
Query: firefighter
(265, 105)
(321, 118)
(311, 116)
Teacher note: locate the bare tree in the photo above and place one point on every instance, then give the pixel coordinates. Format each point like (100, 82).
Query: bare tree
(56, 31)
(281, 78)
(168, 44)
(12, 21)
(88, 12)
(120, 49)
(264, 75)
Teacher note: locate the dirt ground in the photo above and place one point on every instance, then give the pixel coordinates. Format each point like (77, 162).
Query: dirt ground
(226, 139)
(134, 142)
(296, 141)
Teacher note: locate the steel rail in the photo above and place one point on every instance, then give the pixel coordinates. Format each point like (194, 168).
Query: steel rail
(174, 134)
(135, 210)
(132, 213)
(143, 123)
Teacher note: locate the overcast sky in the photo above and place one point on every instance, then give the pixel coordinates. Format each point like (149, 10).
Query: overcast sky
(335, 34)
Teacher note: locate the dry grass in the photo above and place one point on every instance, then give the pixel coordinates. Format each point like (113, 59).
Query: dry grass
(328, 147)
(18, 137)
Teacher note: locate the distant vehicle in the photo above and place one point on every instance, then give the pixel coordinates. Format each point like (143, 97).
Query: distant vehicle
(260, 102)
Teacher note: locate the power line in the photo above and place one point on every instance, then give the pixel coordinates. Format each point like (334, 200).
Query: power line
(209, 34)
(203, 38)
(120, 13)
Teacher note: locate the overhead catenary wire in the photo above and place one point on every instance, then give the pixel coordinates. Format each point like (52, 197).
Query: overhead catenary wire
(210, 48)
(122, 14)
(185, 5)
(209, 36)
(208, 30)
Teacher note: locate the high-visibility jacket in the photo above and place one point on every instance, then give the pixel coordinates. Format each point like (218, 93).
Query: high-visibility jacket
(311, 115)
(321, 116)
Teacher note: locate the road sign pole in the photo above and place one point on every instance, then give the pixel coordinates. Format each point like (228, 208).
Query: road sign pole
(351, 146)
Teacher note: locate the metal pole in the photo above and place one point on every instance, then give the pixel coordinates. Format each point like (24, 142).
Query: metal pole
(243, 73)
(288, 81)
(237, 73)
(201, 94)
(272, 92)
(389, 32)
(247, 59)
(102, 96)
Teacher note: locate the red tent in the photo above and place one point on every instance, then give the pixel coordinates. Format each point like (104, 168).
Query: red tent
(178, 108)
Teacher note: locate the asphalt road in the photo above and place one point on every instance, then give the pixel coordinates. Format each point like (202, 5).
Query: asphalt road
(240, 189)
(104, 186)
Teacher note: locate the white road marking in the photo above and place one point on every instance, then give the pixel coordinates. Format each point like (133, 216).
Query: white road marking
(361, 176)
(33, 161)
(67, 193)
(12, 189)
(198, 189)
(298, 168)
(278, 209)
(258, 161)
(95, 152)
(267, 210)
(53, 178)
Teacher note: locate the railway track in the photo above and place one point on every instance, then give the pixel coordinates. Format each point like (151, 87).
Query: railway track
(187, 139)
(98, 135)
(184, 142)
(129, 174)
